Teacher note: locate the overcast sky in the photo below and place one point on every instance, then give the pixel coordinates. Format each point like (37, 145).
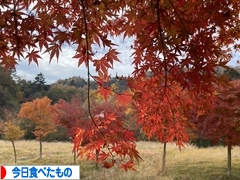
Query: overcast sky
(67, 67)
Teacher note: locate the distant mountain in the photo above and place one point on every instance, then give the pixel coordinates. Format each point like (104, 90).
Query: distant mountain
(73, 81)
(80, 82)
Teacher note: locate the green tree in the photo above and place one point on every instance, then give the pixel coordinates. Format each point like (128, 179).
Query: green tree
(232, 73)
(39, 87)
(59, 91)
(33, 89)
(29, 128)
(10, 95)
(40, 82)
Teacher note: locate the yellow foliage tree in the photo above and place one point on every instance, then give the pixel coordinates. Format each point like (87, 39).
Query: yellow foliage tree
(12, 133)
(39, 112)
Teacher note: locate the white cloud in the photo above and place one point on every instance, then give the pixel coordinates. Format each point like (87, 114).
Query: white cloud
(67, 66)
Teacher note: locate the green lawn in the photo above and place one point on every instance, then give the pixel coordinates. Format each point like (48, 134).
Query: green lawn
(190, 163)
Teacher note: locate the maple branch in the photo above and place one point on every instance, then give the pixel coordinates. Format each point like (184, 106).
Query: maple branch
(175, 94)
(181, 20)
(160, 34)
(15, 26)
(172, 111)
(88, 72)
(88, 67)
(160, 30)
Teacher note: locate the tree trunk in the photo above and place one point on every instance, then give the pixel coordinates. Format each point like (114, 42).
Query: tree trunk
(97, 153)
(229, 160)
(40, 141)
(74, 156)
(164, 156)
(15, 153)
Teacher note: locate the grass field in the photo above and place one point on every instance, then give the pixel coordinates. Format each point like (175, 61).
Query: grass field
(189, 164)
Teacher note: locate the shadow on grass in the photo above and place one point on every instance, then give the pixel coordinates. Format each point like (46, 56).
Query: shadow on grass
(204, 171)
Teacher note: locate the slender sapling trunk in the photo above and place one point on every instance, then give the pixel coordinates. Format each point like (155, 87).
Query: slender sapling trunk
(164, 156)
(229, 160)
(15, 153)
(40, 141)
(97, 153)
(74, 156)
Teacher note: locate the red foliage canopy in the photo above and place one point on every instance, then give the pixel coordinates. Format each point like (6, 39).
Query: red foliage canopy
(107, 135)
(222, 123)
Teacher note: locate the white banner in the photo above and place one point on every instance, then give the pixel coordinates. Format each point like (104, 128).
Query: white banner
(40, 172)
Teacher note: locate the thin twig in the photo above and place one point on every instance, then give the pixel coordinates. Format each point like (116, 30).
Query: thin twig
(161, 37)
(160, 33)
(179, 17)
(88, 67)
(88, 72)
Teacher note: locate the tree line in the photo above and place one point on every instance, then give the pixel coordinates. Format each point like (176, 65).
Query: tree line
(15, 91)
(35, 110)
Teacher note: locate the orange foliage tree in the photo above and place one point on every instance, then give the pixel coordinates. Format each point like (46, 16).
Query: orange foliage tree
(222, 123)
(39, 112)
(178, 42)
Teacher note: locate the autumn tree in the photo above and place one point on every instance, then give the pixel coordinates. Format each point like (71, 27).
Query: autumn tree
(164, 118)
(9, 128)
(39, 112)
(223, 122)
(70, 115)
(110, 123)
(12, 132)
(102, 140)
(179, 42)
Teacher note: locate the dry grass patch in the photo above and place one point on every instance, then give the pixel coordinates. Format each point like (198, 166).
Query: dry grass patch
(190, 163)
(28, 152)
